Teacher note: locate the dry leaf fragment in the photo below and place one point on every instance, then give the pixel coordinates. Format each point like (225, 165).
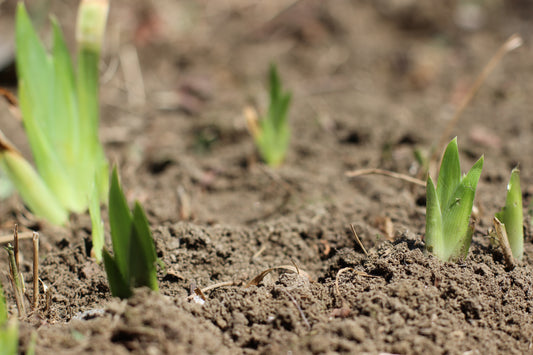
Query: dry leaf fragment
(257, 279)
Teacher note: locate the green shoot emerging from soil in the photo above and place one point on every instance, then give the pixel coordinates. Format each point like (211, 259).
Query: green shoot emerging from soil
(60, 111)
(512, 217)
(8, 329)
(449, 206)
(272, 132)
(134, 263)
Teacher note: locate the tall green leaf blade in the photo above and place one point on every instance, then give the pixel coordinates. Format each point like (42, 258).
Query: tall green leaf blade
(512, 215)
(449, 175)
(456, 216)
(36, 88)
(119, 285)
(143, 254)
(90, 28)
(434, 236)
(66, 136)
(121, 224)
(33, 65)
(65, 120)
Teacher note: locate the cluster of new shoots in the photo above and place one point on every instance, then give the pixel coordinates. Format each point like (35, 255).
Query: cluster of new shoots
(60, 112)
(511, 217)
(449, 206)
(272, 132)
(134, 262)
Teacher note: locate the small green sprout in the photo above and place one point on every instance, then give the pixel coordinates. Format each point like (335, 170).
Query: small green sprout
(449, 206)
(60, 112)
(272, 133)
(511, 215)
(134, 263)
(9, 329)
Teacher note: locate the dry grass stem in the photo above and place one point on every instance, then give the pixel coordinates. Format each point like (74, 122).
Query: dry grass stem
(201, 292)
(259, 252)
(16, 246)
(9, 238)
(35, 270)
(358, 240)
(252, 121)
(512, 43)
(504, 243)
(375, 171)
(257, 279)
(293, 300)
(185, 206)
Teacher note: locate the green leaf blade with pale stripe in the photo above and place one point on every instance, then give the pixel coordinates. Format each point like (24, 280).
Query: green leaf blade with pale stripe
(449, 175)
(121, 224)
(512, 215)
(434, 237)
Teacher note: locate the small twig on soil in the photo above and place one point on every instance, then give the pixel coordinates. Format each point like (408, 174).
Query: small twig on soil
(184, 201)
(13, 105)
(16, 246)
(358, 240)
(35, 270)
(360, 172)
(8, 238)
(295, 266)
(293, 300)
(47, 296)
(512, 43)
(337, 289)
(257, 279)
(259, 252)
(212, 287)
(504, 243)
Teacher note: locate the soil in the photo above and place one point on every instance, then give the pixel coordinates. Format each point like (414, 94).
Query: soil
(372, 82)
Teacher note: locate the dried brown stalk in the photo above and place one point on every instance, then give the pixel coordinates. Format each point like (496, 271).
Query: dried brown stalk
(510, 44)
(504, 243)
(358, 240)
(35, 270)
(407, 178)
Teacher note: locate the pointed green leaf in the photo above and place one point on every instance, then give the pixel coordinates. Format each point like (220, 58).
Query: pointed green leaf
(512, 216)
(274, 133)
(143, 255)
(66, 138)
(456, 217)
(434, 237)
(121, 224)
(449, 175)
(118, 284)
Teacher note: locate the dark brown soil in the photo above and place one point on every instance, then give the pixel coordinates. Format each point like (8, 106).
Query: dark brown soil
(372, 82)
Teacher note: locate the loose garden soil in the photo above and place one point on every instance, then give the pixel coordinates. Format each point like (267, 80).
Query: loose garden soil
(372, 81)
